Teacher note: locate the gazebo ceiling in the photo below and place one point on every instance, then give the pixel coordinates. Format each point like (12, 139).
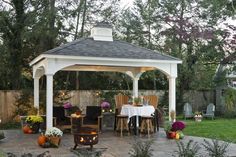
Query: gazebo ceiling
(78, 67)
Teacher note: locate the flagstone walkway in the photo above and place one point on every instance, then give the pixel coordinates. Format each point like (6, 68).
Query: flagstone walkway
(18, 143)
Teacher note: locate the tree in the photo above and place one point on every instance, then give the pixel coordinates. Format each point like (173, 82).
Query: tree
(12, 27)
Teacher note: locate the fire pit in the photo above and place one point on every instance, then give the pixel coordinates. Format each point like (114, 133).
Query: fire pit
(86, 136)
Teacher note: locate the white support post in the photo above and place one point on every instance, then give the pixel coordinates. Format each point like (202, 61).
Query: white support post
(49, 103)
(135, 87)
(36, 92)
(172, 96)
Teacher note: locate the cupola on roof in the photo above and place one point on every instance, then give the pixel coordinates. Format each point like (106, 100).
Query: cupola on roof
(102, 32)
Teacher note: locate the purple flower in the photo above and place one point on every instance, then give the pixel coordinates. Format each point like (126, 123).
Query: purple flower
(105, 104)
(178, 125)
(67, 105)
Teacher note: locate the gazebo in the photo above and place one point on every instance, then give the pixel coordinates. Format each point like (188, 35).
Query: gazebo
(100, 52)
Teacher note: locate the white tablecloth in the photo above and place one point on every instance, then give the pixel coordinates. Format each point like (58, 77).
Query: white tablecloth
(131, 110)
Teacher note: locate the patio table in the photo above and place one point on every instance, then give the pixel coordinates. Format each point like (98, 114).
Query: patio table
(131, 111)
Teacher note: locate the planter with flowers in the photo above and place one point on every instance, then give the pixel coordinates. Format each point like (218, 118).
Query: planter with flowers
(198, 116)
(137, 101)
(174, 130)
(32, 124)
(67, 108)
(53, 136)
(106, 107)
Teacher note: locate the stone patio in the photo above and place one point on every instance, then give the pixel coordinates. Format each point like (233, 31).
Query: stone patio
(19, 143)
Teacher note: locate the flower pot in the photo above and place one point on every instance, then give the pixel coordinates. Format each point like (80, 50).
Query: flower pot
(54, 140)
(35, 127)
(198, 118)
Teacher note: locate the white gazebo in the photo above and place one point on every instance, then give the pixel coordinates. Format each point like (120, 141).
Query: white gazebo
(101, 53)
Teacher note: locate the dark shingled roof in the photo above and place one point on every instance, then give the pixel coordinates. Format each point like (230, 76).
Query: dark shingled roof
(117, 49)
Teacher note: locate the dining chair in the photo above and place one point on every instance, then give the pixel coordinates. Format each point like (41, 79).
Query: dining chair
(121, 120)
(153, 100)
(120, 100)
(147, 125)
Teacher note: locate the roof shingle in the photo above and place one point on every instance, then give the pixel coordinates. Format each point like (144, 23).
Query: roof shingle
(88, 47)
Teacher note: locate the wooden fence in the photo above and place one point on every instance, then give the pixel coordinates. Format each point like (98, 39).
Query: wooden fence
(7, 100)
(198, 99)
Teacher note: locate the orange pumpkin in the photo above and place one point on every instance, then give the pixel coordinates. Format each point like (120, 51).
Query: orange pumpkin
(30, 131)
(172, 134)
(26, 129)
(42, 140)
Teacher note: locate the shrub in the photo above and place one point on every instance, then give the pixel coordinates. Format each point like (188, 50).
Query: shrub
(189, 150)
(10, 125)
(167, 126)
(24, 102)
(215, 149)
(141, 149)
(230, 103)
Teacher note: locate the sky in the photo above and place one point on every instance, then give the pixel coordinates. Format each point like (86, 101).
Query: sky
(126, 3)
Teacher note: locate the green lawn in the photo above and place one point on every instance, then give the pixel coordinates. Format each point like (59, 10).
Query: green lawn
(224, 129)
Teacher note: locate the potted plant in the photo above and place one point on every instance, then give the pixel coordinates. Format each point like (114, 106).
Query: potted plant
(137, 101)
(177, 127)
(167, 128)
(67, 108)
(105, 105)
(33, 123)
(54, 136)
(174, 130)
(198, 116)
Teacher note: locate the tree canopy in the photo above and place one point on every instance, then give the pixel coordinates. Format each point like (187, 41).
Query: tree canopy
(195, 31)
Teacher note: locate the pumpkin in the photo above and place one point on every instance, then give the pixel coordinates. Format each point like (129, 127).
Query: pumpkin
(42, 140)
(30, 131)
(26, 129)
(177, 136)
(172, 134)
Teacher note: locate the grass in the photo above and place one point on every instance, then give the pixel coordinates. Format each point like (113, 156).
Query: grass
(222, 129)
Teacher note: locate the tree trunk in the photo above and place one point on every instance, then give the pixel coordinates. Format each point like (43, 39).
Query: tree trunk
(52, 18)
(77, 20)
(84, 17)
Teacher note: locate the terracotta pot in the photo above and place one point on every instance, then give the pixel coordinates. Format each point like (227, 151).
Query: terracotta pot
(54, 140)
